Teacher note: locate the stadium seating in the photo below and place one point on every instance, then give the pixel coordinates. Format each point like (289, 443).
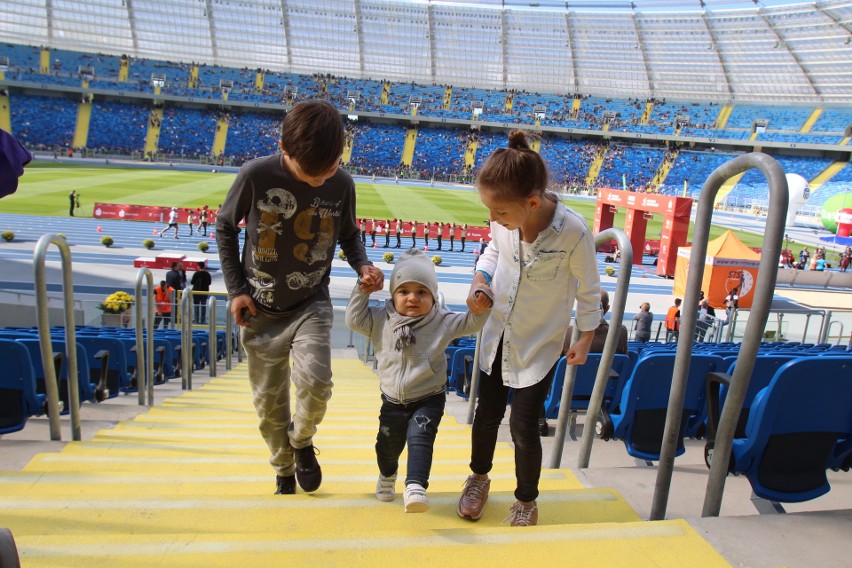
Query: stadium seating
(641, 415)
(584, 382)
(799, 426)
(18, 397)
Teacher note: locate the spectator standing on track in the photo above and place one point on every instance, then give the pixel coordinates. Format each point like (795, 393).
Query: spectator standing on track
(190, 220)
(673, 321)
(72, 198)
(463, 235)
(200, 283)
(644, 318)
(163, 295)
(452, 236)
(203, 220)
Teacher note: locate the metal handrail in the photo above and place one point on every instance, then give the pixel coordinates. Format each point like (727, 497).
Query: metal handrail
(828, 331)
(619, 301)
(45, 345)
(752, 337)
(187, 361)
(229, 330)
(145, 353)
(212, 339)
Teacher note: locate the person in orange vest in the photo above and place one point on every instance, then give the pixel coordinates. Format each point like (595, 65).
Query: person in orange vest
(673, 321)
(163, 295)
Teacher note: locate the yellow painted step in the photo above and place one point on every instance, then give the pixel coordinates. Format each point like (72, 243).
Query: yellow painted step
(339, 513)
(144, 484)
(659, 544)
(188, 484)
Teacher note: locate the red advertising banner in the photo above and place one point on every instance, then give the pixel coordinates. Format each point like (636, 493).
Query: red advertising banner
(150, 213)
(639, 207)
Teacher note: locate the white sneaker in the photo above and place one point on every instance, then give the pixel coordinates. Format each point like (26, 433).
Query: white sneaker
(415, 498)
(385, 490)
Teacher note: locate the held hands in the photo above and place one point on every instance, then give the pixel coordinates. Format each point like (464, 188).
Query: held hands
(372, 279)
(480, 299)
(243, 309)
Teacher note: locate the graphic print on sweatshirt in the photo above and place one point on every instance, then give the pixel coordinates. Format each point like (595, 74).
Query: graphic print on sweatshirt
(278, 202)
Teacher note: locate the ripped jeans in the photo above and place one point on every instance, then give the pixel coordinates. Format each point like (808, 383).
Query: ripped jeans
(415, 423)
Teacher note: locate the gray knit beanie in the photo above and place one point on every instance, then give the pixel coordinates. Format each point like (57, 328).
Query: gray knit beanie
(414, 266)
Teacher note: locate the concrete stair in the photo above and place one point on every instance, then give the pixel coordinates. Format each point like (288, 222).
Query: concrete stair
(188, 484)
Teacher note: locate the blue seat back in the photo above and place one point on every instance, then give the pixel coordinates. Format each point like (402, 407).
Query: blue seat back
(18, 398)
(461, 369)
(584, 383)
(795, 427)
(645, 398)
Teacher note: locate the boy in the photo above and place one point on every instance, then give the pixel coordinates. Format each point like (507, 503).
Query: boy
(410, 334)
(297, 205)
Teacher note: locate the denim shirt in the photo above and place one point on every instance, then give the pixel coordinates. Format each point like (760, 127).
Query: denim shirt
(533, 298)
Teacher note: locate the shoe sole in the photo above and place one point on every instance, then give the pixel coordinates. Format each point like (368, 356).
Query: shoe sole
(308, 488)
(385, 498)
(471, 517)
(417, 507)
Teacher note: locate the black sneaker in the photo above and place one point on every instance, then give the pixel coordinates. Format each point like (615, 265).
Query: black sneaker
(543, 428)
(308, 472)
(285, 485)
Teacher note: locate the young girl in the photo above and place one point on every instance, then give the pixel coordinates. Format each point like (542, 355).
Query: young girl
(410, 334)
(540, 260)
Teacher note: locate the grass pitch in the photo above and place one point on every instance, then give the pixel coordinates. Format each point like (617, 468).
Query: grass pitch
(44, 188)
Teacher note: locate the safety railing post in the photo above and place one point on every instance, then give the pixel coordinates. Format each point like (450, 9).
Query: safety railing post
(807, 323)
(145, 352)
(619, 301)
(212, 339)
(764, 290)
(823, 330)
(45, 344)
(187, 358)
(229, 335)
(474, 381)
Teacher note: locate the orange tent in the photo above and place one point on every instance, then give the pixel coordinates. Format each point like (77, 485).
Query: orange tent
(729, 264)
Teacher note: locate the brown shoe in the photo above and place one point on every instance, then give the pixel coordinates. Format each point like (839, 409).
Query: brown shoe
(523, 514)
(473, 497)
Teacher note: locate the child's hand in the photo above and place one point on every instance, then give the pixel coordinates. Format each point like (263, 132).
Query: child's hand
(372, 279)
(480, 299)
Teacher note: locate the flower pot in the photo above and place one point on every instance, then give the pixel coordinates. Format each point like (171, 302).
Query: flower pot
(117, 320)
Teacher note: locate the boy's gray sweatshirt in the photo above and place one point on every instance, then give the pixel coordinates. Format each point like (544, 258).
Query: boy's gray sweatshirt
(290, 235)
(420, 370)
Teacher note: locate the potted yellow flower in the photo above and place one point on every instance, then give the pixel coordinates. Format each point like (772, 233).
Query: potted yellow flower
(116, 309)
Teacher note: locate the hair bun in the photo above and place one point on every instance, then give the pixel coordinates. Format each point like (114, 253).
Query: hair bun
(518, 140)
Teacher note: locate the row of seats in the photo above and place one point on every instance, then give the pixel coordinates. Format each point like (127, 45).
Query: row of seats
(784, 452)
(106, 366)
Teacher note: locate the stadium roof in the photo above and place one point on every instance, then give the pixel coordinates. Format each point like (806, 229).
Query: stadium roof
(721, 50)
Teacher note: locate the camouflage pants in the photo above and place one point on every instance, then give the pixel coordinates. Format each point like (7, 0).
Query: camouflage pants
(269, 342)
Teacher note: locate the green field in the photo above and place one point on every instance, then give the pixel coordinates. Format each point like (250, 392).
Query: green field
(44, 189)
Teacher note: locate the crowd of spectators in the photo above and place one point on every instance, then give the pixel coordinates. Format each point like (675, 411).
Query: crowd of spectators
(44, 122)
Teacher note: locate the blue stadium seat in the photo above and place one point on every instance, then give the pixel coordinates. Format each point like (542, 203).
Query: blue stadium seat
(641, 414)
(584, 382)
(461, 369)
(797, 429)
(18, 398)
